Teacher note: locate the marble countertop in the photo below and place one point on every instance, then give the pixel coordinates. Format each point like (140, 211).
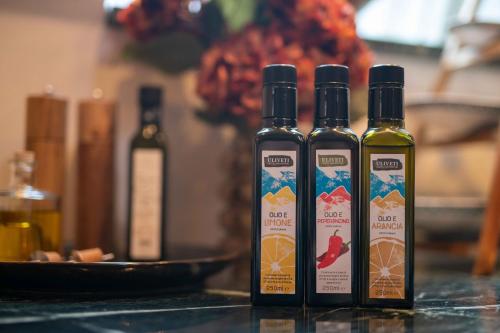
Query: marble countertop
(448, 303)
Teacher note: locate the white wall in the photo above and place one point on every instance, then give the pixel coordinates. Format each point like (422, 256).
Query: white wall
(66, 44)
(54, 43)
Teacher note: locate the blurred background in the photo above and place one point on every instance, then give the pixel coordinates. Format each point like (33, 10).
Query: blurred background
(206, 55)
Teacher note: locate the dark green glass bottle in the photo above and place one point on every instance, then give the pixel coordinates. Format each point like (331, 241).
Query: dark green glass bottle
(333, 191)
(387, 195)
(147, 213)
(278, 187)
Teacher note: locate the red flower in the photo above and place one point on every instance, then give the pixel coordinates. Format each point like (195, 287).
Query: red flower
(146, 18)
(229, 78)
(305, 33)
(327, 31)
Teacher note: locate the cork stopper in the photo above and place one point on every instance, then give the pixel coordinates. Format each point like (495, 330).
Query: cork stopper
(91, 255)
(25, 156)
(49, 256)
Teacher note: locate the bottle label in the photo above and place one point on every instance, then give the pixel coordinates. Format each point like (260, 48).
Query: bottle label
(333, 221)
(278, 222)
(335, 325)
(146, 219)
(387, 226)
(277, 326)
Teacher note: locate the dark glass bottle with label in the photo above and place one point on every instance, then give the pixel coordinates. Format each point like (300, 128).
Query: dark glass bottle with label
(147, 213)
(387, 195)
(333, 191)
(278, 187)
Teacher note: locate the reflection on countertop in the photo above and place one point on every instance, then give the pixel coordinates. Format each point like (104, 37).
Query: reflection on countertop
(446, 303)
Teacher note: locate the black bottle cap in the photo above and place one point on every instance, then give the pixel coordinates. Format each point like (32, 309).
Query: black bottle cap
(280, 73)
(331, 74)
(332, 92)
(387, 74)
(150, 97)
(385, 98)
(279, 98)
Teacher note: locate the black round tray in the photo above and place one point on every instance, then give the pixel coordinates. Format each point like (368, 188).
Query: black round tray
(185, 269)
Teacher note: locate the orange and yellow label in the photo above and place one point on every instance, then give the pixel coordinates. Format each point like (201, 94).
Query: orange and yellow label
(387, 226)
(278, 222)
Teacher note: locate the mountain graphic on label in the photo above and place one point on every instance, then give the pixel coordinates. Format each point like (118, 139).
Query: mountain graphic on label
(281, 198)
(328, 183)
(338, 195)
(273, 185)
(392, 200)
(381, 188)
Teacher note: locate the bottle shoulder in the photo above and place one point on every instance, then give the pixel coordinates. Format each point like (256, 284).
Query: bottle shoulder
(332, 134)
(381, 136)
(156, 141)
(28, 192)
(279, 134)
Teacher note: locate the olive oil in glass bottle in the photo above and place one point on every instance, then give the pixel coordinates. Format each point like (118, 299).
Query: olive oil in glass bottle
(277, 214)
(148, 182)
(333, 180)
(30, 219)
(388, 186)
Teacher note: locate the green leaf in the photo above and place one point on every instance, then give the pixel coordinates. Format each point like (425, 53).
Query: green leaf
(172, 53)
(237, 13)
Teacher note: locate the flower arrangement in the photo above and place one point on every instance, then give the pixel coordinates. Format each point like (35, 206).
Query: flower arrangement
(229, 42)
(236, 39)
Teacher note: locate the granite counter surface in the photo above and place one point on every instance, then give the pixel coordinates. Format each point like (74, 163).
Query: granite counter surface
(443, 304)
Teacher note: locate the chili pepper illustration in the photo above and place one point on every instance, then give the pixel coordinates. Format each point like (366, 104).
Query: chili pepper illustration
(336, 248)
(333, 252)
(345, 248)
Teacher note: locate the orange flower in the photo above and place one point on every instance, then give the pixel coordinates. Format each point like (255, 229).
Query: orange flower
(326, 31)
(146, 18)
(305, 33)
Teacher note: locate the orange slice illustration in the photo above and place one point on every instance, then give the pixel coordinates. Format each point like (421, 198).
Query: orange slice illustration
(387, 268)
(277, 264)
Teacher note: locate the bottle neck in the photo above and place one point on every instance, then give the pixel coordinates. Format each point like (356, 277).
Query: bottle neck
(331, 122)
(150, 120)
(150, 116)
(385, 105)
(279, 101)
(399, 123)
(21, 173)
(279, 122)
(332, 105)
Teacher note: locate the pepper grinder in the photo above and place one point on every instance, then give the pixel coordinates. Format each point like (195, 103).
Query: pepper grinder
(46, 137)
(95, 173)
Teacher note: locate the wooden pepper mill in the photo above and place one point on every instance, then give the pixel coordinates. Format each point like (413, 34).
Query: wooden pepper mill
(95, 173)
(46, 137)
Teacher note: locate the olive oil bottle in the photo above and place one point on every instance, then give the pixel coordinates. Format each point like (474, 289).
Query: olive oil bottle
(277, 254)
(30, 219)
(148, 182)
(387, 195)
(332, 184)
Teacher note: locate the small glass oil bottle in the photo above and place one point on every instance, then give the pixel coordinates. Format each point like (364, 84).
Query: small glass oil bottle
(30, 219)
(277, 257)
(387, 195)
(333, 180)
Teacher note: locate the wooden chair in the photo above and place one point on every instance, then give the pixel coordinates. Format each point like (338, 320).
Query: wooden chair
(468, 44)
(480, 123)
(486, 256)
